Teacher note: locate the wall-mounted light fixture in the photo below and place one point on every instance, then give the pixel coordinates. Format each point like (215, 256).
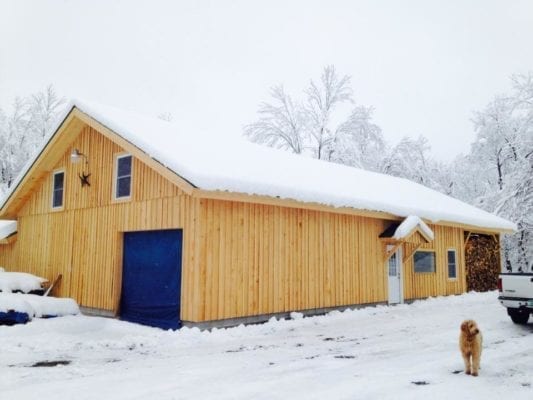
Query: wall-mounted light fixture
(75, 157)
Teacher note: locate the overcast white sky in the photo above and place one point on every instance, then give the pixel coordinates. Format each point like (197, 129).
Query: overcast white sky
(424, 65)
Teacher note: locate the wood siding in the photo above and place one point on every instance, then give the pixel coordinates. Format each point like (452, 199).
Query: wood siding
(239, 259)
(258, 259)
(83, 240)
(421, 285)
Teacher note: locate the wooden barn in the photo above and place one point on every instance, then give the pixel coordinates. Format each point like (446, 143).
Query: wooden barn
(156, 224)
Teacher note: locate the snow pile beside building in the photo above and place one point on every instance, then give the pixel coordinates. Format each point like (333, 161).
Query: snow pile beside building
(37, 306)
(409, 224)
(7, 228)
(19, 281)
(11, 302)
(22, 307)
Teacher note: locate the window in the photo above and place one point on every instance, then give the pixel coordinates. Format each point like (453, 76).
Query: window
(452, 269)
(58, 189)
(424, 261)
(393, 265)
(123, 177)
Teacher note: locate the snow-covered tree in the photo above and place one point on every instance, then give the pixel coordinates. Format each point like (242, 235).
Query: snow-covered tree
(315, 125)
(502, 162)
(411, 159)
(23, 129)
(322, 100)
(281, 123)
(359, 142)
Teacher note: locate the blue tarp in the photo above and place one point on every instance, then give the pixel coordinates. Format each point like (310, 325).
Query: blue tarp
(151, 278)
(13, 317)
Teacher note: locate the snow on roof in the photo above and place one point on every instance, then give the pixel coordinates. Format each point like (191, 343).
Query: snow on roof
(7, 228)
(411, 222)
(233, 165)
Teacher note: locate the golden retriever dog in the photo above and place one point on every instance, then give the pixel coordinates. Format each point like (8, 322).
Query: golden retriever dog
(470, 342)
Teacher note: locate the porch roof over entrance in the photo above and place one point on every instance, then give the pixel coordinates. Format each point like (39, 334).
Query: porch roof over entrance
(411, 229)
(411, 232)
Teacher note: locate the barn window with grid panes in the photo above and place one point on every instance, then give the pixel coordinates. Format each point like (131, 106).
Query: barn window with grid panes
(452, 264)
(123, 177)
(58, 185)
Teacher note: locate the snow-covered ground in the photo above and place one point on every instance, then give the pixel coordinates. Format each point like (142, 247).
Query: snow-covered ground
(373, 353)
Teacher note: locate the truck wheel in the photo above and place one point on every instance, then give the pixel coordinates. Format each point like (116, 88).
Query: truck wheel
(518, 316)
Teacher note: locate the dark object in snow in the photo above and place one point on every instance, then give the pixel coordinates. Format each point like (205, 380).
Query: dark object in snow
(54, 363)
(420, 383)
(38, 292)
(236, 350)
(457, 371)
(13, 317)
(344, 357)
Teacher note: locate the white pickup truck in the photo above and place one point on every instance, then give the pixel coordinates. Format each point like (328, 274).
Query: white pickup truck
(516, 294)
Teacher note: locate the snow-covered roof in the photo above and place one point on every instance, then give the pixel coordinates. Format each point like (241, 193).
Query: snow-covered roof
(7, 228)
(409, 224)
(219, 163)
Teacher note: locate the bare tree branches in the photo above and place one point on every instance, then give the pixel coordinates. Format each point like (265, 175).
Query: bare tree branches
(322, 100)
(280, 125)
(312, 126)
(23, 130)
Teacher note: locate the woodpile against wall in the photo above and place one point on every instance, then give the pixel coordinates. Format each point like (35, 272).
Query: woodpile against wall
(482, 257)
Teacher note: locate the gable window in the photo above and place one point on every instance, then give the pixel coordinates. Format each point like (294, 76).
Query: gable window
(452, 264)
(424, 261)
(58, 186)
(123, 177)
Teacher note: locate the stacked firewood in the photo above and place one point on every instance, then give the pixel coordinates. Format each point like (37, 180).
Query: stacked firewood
(482, 255)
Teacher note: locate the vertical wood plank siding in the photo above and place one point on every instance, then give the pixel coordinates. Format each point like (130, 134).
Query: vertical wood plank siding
(83, 241)
(421, 285)
(258, 259)
(239, 259)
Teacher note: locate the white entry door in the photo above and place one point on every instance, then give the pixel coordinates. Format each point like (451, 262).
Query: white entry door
(394, 269)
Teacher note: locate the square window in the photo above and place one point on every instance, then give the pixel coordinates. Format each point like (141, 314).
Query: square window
(424, 261)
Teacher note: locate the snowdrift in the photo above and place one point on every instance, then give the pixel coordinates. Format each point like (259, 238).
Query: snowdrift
(19, 281)
(21, 308)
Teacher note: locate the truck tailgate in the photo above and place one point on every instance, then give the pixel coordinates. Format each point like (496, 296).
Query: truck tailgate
(517, 285)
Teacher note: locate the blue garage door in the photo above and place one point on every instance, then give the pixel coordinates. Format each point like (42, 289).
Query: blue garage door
(151, 278)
